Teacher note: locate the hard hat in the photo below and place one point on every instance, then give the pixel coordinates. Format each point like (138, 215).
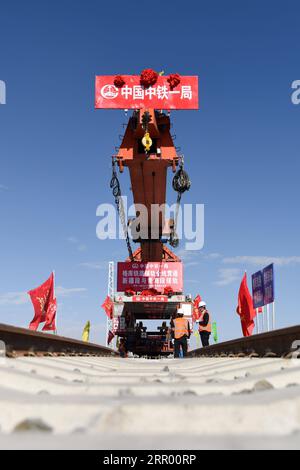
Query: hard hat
(180, 311)
(202, 304)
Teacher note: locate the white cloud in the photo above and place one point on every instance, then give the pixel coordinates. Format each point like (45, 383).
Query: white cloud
(72, 240)
(213, 256)
(66, 292)
(95, 265)
(228, 276)
(21, 298)
(14, 298)
(191, 263)
(190, 255)
(185, 255)
(263, 260)
(80, 246)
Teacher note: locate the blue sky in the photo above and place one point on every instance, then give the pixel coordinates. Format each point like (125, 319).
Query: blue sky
(241, 148)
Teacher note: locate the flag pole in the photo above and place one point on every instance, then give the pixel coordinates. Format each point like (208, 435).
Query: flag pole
(268, 317)
(265, 318)
(54, 295)
(274, 319)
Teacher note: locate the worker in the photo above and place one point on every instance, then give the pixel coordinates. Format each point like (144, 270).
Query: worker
(122, 348)
(182, 332)
(169, 338)
(139, 330)
(204, 321)
(163, 328)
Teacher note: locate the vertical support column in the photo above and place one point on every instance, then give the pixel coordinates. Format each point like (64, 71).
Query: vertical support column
(268, 317)
(263, 319)
(111, 279)
(274, 317)
(257, 321)
(111, 294)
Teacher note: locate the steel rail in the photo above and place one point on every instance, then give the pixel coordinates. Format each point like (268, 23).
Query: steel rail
(22, 342)
(277, 343)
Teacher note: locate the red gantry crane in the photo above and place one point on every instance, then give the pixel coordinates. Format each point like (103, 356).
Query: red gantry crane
(150, 281)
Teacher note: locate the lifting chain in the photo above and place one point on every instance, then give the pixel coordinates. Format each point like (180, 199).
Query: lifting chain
(181, 183)
(116, 190)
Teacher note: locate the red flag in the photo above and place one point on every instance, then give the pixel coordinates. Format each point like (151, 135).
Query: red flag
(42, 299)
(196, 302)
(108, 307)
(245, 308)
(50, 324)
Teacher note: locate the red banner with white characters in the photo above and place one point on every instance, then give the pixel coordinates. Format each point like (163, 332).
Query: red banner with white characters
(139, 276)
(149, 298)
(133, 96)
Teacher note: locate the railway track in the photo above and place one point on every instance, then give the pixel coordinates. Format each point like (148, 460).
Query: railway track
(278, 343)
(22, 342)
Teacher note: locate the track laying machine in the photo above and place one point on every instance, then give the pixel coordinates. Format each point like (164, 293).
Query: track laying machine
(150, 280)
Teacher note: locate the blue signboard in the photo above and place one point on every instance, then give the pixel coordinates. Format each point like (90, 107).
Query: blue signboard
(268, 282)
(258, 289)
(263, 287)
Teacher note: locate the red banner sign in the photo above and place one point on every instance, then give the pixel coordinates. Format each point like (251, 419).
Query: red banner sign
(133, 96)
(140, 276)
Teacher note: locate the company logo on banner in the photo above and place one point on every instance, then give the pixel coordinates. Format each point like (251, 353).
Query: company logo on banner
(140, 276)
(133, 96)
(263, 287)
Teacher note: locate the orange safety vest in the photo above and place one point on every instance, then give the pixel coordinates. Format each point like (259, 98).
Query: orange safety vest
(181, 327)
(208, 326)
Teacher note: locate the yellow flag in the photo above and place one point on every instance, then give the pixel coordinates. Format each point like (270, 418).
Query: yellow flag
(196, 334)
(86, 332)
